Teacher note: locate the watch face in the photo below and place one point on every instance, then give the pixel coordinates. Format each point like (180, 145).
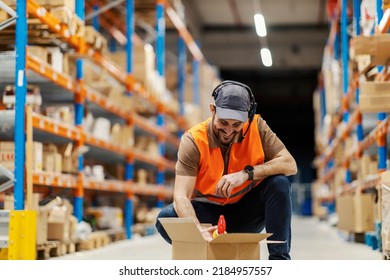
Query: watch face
(249, 168)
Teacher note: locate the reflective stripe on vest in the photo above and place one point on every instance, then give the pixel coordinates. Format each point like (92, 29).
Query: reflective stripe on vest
(211, 165)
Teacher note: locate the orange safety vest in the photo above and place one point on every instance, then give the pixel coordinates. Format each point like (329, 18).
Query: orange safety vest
(211, 165)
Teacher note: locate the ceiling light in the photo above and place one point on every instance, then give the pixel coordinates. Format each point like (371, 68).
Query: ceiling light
(266, 57)
(260, 25)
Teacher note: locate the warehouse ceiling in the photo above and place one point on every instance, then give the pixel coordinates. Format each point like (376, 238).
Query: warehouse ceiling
(297, 32)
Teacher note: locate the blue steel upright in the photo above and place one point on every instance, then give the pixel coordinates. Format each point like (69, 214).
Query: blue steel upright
(345, 59)
(357, 16)
(160, 61)
(382, 149)
(20, 102)
(196, 81)
(95, 19)
(79, 113)
(182, 59)
(129, 168)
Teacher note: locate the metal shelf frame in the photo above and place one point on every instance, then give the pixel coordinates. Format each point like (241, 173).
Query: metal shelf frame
(353, 120)
(82, 93)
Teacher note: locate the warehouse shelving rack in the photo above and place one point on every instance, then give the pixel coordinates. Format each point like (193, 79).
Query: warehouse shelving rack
(349, 120)
(46, 126)
(352, 120)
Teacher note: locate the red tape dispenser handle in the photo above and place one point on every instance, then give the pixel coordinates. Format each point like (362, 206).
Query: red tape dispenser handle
(221, 229)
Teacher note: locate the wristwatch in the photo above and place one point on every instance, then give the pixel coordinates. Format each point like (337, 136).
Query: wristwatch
(249, 170)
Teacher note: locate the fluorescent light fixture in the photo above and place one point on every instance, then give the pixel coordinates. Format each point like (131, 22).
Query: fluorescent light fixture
(260, 25)
(266, 57)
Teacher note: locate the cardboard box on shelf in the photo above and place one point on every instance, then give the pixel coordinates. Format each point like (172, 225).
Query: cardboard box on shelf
(41, 226)
(67, 16)
(7, 145)
(42, 214)
(345, 212)
(376, 46)
(374, 88)
(188, 243)
(374, 96)
(60, 112)
(374, 103)
(59, 222)
(356, 212)
(9, 202)
(94, 38)
(38, 51)
(37, 156)
(102, 129)
(364, 212)
(48, 162)
(7, 155)
(70, 4)
(7, 159)
(42, 219)
(120, 58)
(70, 156)
(55, 58)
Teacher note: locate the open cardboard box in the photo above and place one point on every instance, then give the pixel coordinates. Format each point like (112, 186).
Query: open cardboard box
(188, 242)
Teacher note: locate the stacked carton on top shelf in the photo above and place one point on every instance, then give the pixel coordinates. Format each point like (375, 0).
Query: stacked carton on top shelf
(70, 4)
(374, 51)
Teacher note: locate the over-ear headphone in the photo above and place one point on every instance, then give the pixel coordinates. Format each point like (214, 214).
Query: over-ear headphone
(253, 104)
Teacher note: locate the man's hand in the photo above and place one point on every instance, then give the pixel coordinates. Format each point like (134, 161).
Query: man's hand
(207, 232)
(228, 182)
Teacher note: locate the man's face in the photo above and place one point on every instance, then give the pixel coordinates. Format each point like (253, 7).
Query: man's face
(225, 129)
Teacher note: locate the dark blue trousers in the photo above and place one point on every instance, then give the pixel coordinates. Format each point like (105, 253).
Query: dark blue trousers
(268, 206)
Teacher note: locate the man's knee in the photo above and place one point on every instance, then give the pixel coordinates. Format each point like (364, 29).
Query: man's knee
(280, 184)
(167, 212)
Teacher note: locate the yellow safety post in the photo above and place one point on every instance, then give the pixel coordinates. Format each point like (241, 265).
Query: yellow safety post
(22, 235)
(4, 254)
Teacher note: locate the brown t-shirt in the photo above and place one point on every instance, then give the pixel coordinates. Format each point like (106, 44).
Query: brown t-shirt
(189, 155)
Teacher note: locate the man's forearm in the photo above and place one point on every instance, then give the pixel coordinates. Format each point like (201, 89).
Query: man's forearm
(184, 209)
(285, 166)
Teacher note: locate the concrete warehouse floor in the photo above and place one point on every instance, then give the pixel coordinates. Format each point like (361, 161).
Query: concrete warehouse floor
(312, 240)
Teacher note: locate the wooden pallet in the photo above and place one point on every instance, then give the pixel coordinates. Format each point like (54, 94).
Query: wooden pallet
(115, 234)
(54, 248)
(95, 240)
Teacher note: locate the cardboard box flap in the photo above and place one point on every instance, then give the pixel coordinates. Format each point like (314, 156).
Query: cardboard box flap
(240, 238)
(182, 229)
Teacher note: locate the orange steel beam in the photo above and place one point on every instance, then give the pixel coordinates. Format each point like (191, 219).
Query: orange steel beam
(47, 71)
(55, 180)
(90, 140)
(384, 24)
(183, 31)
(55, 25)
(56, 128)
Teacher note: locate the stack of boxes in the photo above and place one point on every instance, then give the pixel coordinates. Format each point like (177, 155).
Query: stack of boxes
(7, 155)
(52, 159)
(368, 52)
(54, 219)
(356, 212)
